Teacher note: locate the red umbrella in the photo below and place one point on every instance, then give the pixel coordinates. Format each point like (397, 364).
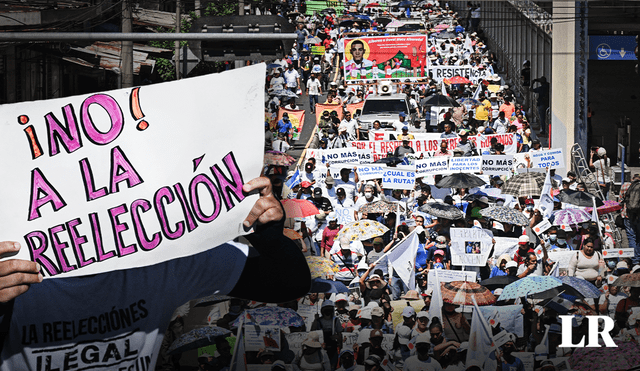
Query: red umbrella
(371, 5)
(461, 292)
(459, 80)
(608, 207)
(278, 158)
(295, 208)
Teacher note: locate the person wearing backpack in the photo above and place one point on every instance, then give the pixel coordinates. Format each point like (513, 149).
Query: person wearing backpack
(630, 199)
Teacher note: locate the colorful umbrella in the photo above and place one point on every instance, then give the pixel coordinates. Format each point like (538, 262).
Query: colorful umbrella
(380, 206)
(459, 80)
(278, 158)
(296, 208)
(631, 280)
(469, 101)
(362, 230)
(608, 207)
(442, 26)
(625, 357)
(312, 40)
(441, 210)
(291, 234)
(271, 316)
(498, 281)
(320, 285)
(505, 214)
(570, 217)
(197, 338)
(395, 24)
(529, 285)
(525, 184)
(578, 198)
(584, 287)
(461, 292)
(460, 180)
(321, 267)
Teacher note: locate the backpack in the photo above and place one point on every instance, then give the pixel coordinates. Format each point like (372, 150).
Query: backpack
(632, 199)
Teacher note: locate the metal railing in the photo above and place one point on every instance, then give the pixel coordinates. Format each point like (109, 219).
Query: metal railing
(535, 13)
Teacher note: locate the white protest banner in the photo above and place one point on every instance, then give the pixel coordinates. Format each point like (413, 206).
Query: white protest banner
(365, 156)
(308, 312)
(420, 155)
(552, 159)
(398, 179)
(470, 246)
(471, 164)
(261, 337)
(561, 258)
(542, 227)
(435, 165)
(345, 215)
(472, 73)
(368, 172)
(497, 164)
(340, 156)
(131, 177)
(295, 339)
(349, 339)
(617, 253)
(505, 245)
(509, 316)
(446, 275)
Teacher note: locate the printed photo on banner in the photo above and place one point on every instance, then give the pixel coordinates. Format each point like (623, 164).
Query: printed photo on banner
(470, 246)
(335, 110)
(140, 155)
(385, 57)
(296, 116)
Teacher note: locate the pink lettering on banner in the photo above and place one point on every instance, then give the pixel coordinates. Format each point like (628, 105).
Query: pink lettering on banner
(114, 111)
(67, 136)
(40, 185)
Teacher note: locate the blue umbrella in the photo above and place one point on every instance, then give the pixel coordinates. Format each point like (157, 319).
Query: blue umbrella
(327, 286)
(271, 316)
(528, 286)
(364, 17)
(468, 101)
(197, 338)
(584, 287)
(405, 4)
(274, 65)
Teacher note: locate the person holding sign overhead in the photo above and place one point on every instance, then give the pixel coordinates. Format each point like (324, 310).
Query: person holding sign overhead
(127, 311)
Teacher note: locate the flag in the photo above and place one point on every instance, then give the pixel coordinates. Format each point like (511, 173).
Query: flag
(476, 94)
(467, 44)
(403, 258)
(481, 346)
(595, 218)
(444, 89)
(295, 179)
(238, 361)
(546, 201)
(435, 309)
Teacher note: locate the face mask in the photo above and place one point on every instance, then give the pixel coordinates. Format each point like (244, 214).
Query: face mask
(234, 309)
(368, 194)
(611, 264)
(331, 136)
(529, 208)
(553, 237)
(562, 242)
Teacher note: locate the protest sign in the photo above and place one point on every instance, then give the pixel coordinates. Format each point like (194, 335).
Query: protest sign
(527, 358)
(505, 245)
(345, 215)
(470, 246)
(542, 227)
(394, 178)
(295, 339)
(317, 50)
(355, 108)
(471, 164)
(561, 258)
(368, 172)
(472, 73)
(552, 159)
(435, 165)
(446, 275)
(497, 164)
(308, 312)
(261, 337)
(321, 107)
(340, 156)
(296, 116)
(385, 57)
(364, 155)
(131, 177)
(436, 115)
(617, 253)
(509, 317)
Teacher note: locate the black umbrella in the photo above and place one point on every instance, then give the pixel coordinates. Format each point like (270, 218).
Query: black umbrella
(389, 160)
(578, 198)
(326, 11)
(498, 282)
(460, 180)
(440, 100)
(320, 285)
(383, 21)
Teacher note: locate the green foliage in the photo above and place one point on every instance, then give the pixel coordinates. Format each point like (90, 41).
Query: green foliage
(165, 67)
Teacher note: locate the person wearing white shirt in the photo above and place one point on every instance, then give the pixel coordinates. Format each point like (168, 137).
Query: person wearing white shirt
(329, 191)
(351, 125)
(355, 246)
(347, 184)
(341, 199)
(398, 125)
(500, 124)
(280, 144)
(292, 78)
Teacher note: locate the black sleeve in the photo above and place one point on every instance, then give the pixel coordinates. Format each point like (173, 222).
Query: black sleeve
(276, 270)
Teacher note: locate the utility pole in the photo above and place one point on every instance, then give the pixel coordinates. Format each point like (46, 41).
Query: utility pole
(127, 46)
(176, 44)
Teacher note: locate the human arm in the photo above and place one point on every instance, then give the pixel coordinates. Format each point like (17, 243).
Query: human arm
(573, 263)
(16, 276)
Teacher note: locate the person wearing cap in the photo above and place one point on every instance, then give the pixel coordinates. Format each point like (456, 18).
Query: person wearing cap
(401, 122)
(311, 356)
(277, 81)
(280, 144)
(378, 321)
(506, 360)
(448, 131)
(353, 325)
(422, 325)
(529, 206)
(347, 360)
(352, 126)
(329, 191)
(404, 329)
(342, 312)
(347, 184)
(524, 248)
(267, 357)
(306, 191)
(375, 338)
(378, 252)
(422, 361)
(331, 331)
(477, 205)
(536, 146)
(285, 127)
(405, 134)
(404, 149)
(322, 203)
(329, 234)
(342, 200)
(602, 169)
(347, 260)
(325, 123)
(373, 288)
(440, 244)
(467, 147)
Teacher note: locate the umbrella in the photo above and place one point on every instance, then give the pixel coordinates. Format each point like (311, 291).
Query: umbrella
(440, 101)
(529, 285)
(328, 11)
(395, 24)
(505, 214)
(459, 80)
(498, 281)
(405, 4)
(446, 35)
(570, 217)
(469, 101)
(362, 230)
(295, 208)
(525, 184)
(442, 26)
(293, 14)
(363, 17)
(321, 267)
(271, 316)
(212, 299)
(312, 40)
(197, 338)
(389, 160)
(441, 210)
(283, 93)
(631, 280)
(291, 234)
(584, 287)
(608, 207)
(460, 180)
(380, 206)
(461, 292)
(578, 198)
(624, 357)
(320, 285)
(278, 158)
